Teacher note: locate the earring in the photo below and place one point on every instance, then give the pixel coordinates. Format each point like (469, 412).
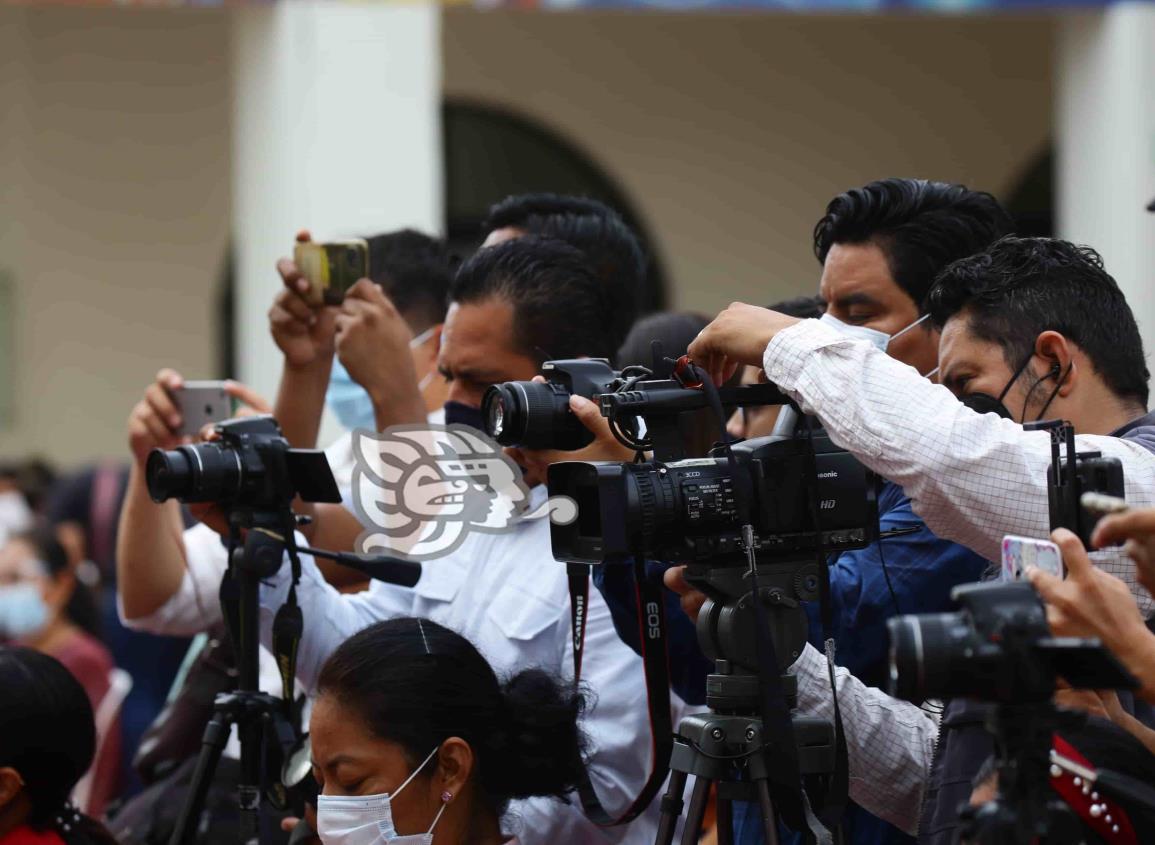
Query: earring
(446, 796)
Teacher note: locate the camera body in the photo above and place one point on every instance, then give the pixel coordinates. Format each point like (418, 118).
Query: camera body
(688, 510)
(997, 647)
(250, 466)
(536, 415)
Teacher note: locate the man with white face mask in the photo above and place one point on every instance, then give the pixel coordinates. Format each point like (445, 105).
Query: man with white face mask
(881, 247)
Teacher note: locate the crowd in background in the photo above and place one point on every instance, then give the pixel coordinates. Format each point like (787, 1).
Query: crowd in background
(456, 693)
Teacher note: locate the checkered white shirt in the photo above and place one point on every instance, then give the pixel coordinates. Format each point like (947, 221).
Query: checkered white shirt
(972, 477)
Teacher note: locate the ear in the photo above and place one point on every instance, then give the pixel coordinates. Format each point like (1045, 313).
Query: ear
(61, 588)
(10, 786)
(1058, 354)
(455, 764)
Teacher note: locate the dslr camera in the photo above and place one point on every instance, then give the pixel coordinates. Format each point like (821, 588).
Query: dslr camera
(536, 415)
(251, 466)
(996, 647)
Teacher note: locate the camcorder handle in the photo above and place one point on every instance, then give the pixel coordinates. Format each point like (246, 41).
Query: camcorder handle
(655, 662)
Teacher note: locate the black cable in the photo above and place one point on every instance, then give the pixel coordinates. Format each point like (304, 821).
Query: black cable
(886, 576)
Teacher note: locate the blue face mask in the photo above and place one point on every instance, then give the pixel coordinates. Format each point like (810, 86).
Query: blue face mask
(458, 413)
(348, 400)
(22, 611)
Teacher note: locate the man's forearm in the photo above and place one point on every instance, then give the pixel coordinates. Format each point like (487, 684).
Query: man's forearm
(150, 561)
(1139, 658)
(890, 743)
(301, 401)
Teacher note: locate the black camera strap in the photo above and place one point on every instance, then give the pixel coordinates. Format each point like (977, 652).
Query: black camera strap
(655, 662)
(288, 626)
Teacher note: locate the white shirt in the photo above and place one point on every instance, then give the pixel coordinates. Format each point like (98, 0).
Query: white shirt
(196, 607)
(510, 598)
(972, 477)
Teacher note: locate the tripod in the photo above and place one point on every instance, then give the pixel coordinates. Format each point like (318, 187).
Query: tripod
(259, 717)
(727, 746)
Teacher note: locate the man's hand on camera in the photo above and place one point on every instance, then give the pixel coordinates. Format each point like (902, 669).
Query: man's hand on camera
(1089, 602)
(737, 336)
(373, 345)
(155, 420)
(302, 332)
(1136, 530)
(692, 599)
(604, 448)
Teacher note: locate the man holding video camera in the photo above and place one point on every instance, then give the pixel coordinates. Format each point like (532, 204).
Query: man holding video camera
(1031, 328)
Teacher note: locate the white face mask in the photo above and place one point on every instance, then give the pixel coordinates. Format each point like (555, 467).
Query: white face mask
(880, 340)
(368, 819)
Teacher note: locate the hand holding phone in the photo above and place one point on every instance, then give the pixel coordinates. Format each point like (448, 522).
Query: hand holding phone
(202, 403)
(331, 268)
(1022, 553)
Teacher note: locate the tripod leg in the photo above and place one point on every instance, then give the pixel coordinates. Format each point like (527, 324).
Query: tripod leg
(671, 808)
(725, 821)
(212, 744)
(698, 799)
(769, 817)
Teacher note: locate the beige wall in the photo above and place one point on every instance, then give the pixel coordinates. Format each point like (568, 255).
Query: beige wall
(731, 132)
(113, 212)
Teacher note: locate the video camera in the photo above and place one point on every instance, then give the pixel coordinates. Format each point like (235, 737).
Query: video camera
(251, 466)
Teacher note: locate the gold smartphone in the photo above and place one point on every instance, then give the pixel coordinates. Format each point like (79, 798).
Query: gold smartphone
(332, 268)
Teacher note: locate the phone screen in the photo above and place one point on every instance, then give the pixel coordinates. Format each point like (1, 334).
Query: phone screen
(1019, 553)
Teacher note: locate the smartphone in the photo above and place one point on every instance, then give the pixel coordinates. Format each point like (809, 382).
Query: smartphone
(202, 403)
(331, 268)
(1022, 552)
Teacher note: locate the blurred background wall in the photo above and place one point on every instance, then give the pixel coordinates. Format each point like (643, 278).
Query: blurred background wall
(726, 135)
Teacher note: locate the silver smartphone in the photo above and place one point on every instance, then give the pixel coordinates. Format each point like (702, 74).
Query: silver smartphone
(202, 403)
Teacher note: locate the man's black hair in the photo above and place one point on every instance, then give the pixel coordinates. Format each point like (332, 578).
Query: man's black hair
(802, 307)
(920, 226)
(560, 307)
(1021, 287)
(415, 271)
(612, 249)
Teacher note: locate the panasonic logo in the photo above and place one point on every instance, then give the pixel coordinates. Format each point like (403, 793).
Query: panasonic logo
(830, 474)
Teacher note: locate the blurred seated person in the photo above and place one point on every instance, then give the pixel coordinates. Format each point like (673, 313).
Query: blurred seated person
(24, 486)
(83, 507)
(37, 588)
(414, 738)
(47, 742)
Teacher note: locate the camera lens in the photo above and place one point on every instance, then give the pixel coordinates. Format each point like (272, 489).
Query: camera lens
(932, 655)
(205, 472)
(168, 474)
(495, 417)
(532, 415)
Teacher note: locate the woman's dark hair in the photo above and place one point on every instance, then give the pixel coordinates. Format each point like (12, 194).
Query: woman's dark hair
(675, 329)
(48, 735)
(81, 608)
(1021, 287)
(560, 307)
(920, 226)
(416, 683)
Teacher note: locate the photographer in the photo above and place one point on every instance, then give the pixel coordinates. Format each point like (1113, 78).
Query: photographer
(1016, 319)
(881, 247)
(503, 590)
